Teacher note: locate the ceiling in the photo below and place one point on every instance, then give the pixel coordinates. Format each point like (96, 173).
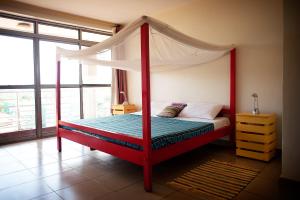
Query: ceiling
(116, 11)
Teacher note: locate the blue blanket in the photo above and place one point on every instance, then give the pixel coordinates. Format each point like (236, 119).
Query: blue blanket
(164, 131)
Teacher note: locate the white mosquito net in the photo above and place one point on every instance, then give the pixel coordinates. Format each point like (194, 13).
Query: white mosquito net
(169, 49)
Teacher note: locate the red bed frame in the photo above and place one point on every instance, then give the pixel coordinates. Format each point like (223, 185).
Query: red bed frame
(148, 157)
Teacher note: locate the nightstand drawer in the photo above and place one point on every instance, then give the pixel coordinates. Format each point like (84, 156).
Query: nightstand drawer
(256, 146)
(255, 128)
(256, 155)
(262, 123)
(256, 137)
(263, 119)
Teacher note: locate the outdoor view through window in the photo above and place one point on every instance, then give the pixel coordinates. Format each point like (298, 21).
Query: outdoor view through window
(91, 84)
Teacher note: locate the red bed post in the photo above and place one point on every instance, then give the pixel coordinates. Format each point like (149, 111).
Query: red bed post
(58, 113)
(232, 93)
(147, 148)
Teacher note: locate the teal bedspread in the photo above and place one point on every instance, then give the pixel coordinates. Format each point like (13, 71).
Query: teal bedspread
(164, 131)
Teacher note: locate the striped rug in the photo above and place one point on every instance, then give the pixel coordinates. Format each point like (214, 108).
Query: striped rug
(216, 180)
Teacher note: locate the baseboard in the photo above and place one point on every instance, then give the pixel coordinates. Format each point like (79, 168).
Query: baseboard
(224, 143)
(288, 182)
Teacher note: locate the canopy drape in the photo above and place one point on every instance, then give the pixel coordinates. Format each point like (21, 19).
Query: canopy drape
(169, 49)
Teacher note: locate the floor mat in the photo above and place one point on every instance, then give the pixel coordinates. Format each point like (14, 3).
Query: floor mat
(216, 180)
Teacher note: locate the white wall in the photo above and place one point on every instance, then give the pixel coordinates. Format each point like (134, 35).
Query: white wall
(254, 26)
(291, 95)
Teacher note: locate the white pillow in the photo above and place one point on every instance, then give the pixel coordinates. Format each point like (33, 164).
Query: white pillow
(201, 110)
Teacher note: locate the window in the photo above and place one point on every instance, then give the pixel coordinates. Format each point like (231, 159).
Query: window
(58, 31)
(28, 68)
(17, 110)
(16, 65)
(48, 107)
(70, 105)
(17, 106)
(97, 101)
(95, 37)
(69, 69)
(97, 74)
(16, 25)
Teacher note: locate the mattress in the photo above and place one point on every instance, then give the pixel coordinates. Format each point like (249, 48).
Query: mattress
(219, 122)
(164, 131)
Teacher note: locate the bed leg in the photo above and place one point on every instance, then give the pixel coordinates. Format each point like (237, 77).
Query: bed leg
(232, 136)
(148, 178)
(59, 144)
(232, 139)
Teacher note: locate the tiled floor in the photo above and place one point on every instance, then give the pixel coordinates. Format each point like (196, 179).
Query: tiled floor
(35, 170)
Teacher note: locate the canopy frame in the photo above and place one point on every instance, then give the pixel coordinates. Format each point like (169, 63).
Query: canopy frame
(149, 157)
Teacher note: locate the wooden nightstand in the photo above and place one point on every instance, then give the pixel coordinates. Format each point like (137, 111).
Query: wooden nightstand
(256, 135)
(123, 109)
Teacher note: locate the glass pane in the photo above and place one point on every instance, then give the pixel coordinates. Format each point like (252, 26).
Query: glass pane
(96, 102)
(17, 110)
(97, 74)
(16, 25)
(70, 105)
(95, 37)
(48, 107)
(16, 64)
(69, 69)
(58, 31)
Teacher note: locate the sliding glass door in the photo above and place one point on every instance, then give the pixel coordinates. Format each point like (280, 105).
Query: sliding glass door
(17, 104)
(28, 77)
(69, 78)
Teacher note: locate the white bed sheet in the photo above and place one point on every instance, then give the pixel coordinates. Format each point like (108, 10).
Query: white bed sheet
(219, 122)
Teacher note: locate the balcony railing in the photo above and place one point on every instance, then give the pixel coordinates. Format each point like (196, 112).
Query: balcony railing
(17, 106)
(17, 110)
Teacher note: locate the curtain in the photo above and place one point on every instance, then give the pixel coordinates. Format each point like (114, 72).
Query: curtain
(119, 79)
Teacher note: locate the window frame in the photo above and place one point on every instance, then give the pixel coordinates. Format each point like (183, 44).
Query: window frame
(40, 132)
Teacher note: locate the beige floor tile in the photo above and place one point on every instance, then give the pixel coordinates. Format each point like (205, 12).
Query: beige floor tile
(66, 154)
(7, 159)
(272, 170)
(80, 161)
(25, 191)
(137, 192)
(24, 151)
(64, 179)
(244, 195)
(11, 167)
(16, 178)
(49, 169)
(116, 181)
(86, 190)
(93, 170)
(256, 164)
(178, 196)
(39, 161)
(50, 196)
(102, 156)
(264, 187)
(77, 172)
(196, 195)
(3, 152)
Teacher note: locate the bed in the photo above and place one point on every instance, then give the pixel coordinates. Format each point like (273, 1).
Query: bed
(165, 131)
(144, 143)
